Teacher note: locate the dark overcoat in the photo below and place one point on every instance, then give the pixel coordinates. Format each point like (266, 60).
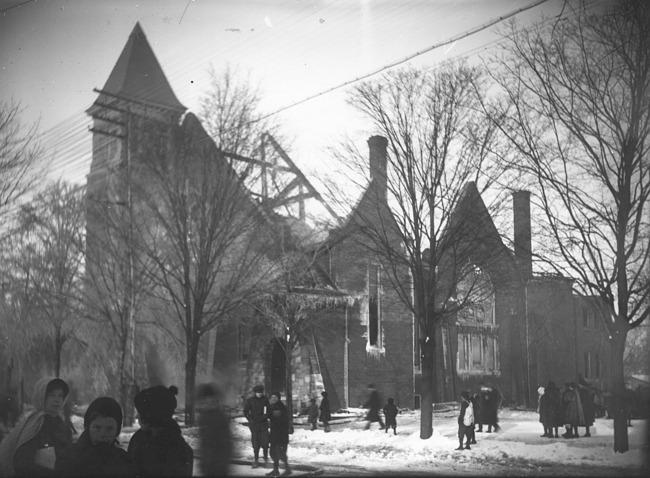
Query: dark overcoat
(85, 459)
(279, 418)
(164, 453)
(325, 412)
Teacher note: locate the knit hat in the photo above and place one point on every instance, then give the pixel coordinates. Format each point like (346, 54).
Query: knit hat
(277, 394)
(57, 384)
(258, 389)
(156, 405)
(105, 407)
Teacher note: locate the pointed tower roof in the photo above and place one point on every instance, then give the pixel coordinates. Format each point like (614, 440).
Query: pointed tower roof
(137, 76)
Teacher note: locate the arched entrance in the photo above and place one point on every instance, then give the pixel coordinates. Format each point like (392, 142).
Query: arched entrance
(278, 366)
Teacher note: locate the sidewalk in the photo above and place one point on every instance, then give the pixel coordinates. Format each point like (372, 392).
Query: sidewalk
(243, 468)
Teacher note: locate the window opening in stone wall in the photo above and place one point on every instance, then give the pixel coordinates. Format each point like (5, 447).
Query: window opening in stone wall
(587, 365)
(597, 365)
(478, 353)
(474, 290)
(374, 306)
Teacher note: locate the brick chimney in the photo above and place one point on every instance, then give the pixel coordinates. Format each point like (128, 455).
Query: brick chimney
(377, 152)
(523, 247)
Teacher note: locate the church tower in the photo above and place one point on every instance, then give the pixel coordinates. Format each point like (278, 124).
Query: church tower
(136, 90)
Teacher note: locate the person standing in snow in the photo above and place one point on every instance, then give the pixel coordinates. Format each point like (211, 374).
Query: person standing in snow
(373, 404)
(490, 400)
(325, 412)
(465, 420)
(311, 411)
(477, 411)
(390, 413)
(573, 413)
(279, 435)
(540, 394)
(32, 447)
(586, 393)
(97, 452)
(158, 447)
(476, 402)
(550, 413)
(255, 411)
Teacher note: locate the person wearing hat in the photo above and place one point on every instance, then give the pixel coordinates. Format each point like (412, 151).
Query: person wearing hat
(158, 447)
(97, 452)
(279, 436)
(32, 447)
(255, 411)
(325, 412)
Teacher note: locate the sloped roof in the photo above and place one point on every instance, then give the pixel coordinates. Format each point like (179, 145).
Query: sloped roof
(137, 75)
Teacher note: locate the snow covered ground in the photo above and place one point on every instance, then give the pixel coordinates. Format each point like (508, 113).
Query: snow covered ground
(517, 449)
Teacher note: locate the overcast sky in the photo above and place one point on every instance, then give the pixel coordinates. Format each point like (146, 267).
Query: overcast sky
(54, 52)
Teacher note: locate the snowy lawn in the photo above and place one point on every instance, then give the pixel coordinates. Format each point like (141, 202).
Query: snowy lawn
(517, 449)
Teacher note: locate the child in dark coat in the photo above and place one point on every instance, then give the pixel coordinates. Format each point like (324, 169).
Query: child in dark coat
(279, 435)
(464, 429)
(390, 414)
(97, 452)
(158, 447)
(325, 412)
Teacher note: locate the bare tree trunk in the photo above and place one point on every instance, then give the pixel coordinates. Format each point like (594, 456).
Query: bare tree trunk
(288, 384)
(621, 444)
(428, 386)
(190, 380)
(123, 385)
(58, 346)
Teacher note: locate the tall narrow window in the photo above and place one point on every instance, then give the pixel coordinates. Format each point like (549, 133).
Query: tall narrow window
(374, 306)
(597, 365)
(587, 366)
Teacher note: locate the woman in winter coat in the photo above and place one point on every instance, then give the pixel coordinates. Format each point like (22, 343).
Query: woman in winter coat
(550, 413)
(573, 413)
(279, 434)
(97, 452)
(490, 400)
(158, 447)
(586, 394)
(31, 449)
(325, 413)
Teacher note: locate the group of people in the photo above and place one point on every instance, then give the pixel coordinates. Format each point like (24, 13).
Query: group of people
(373, 404)
(270, 424)
(571, 407)
(475, 411)
(42, 443)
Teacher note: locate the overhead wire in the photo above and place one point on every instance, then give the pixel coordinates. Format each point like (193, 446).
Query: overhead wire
(69, 139)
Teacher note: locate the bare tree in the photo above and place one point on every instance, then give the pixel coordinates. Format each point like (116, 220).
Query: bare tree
(230, 113)
(41, 271)
(577, 103)
(437, 148)
(206, 238)
(19, 154)
(54, 220)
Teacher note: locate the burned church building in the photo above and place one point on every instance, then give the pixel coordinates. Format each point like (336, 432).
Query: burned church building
(527, 330)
